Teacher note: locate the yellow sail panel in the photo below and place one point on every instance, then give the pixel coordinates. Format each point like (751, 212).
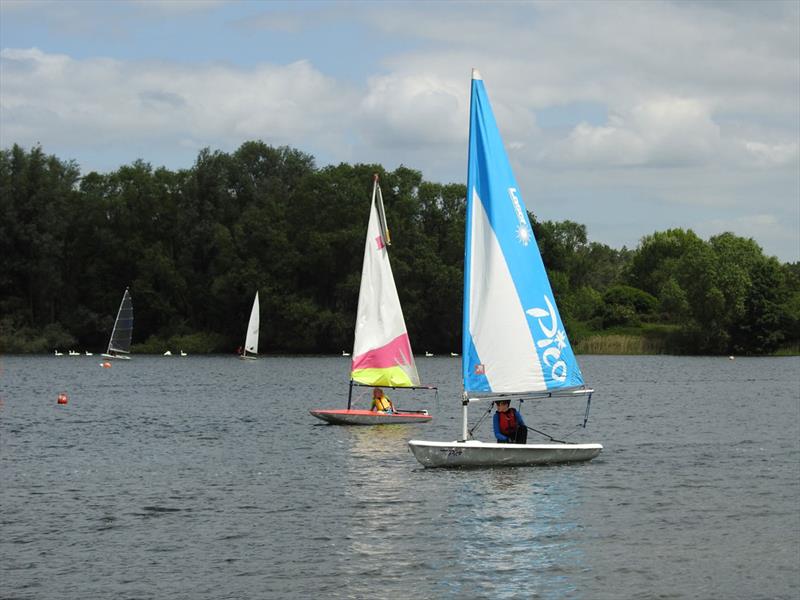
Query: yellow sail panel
(389, 377)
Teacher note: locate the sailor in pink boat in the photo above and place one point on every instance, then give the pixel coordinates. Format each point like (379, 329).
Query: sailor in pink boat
(381, 402)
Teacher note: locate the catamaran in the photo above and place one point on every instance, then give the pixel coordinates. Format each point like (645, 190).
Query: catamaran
(119, 345)
(513, 340)
(250, 350)
(382, 354)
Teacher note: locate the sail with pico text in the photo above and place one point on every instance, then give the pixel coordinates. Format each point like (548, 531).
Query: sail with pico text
(382, 353)
(514, 340)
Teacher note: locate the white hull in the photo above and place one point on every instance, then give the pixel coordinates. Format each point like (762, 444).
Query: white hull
(116, 356)
(480, 454)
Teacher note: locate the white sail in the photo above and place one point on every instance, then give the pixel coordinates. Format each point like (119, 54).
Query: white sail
(381, 350)
(251, 335)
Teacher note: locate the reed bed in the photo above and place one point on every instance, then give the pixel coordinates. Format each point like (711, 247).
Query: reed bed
(620, 344)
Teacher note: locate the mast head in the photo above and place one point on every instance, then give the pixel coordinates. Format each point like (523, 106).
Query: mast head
(476, 74)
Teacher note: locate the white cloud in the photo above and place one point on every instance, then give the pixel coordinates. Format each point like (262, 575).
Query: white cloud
(770, 155)
(660, 132)
(414, 110)
(100, 101)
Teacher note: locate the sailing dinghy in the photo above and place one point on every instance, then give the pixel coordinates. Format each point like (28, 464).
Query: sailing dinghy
(250, 350)
(119, 345)
(513, 341)
(382, 354)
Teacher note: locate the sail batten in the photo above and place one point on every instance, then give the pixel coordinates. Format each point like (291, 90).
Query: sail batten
(381, 350)
(513, 337)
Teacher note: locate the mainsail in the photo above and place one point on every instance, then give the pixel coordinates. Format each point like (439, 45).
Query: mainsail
(123, 326)
(251, 337)
(513, 337)
(381, 351)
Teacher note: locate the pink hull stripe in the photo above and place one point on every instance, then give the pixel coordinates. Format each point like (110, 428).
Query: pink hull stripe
(396, 352)
(368, 413)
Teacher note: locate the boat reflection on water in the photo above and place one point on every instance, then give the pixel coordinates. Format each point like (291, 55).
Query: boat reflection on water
(522, 530)
(506, 532)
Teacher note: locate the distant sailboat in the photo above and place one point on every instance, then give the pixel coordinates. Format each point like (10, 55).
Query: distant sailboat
(250, 350)
(119, 345)
(382, 354)
(514, 342)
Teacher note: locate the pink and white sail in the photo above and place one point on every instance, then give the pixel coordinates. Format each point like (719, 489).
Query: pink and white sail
(381, 351)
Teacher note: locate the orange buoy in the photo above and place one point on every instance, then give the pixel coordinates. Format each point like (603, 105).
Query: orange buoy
(105, 365)
(62, 398)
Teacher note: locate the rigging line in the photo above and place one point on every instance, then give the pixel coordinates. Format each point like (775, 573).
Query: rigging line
(586, 415)
(474, 427)
(548, 436)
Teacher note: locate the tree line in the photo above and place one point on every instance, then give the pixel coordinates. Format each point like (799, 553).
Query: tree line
(194, 245)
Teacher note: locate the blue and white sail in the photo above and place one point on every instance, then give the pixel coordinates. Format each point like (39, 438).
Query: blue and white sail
(513, 337)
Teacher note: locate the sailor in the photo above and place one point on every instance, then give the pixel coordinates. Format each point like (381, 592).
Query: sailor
(509, 427)
(381, 402)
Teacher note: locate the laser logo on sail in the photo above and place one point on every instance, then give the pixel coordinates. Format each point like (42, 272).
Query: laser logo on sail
(524, 233)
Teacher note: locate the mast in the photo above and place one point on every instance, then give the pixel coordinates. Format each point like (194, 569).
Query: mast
(467, 270)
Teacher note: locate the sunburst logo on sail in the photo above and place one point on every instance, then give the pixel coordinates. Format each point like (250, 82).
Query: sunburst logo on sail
(555, 339)
(524, 233)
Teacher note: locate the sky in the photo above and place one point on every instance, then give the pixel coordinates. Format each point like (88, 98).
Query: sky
(628, 117)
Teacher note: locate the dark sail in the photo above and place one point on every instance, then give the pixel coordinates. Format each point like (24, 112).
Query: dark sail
(123, 327)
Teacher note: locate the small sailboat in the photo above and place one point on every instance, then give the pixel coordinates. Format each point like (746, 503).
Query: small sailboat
(382, 354)
(250, 350)
(513, 340)
(119, 345)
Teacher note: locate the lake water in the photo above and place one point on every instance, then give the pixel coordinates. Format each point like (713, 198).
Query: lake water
(206, 478)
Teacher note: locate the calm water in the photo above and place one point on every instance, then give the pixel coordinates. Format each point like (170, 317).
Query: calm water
(205, 477)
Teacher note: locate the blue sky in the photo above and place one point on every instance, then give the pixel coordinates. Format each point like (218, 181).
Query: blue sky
(628, 117)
